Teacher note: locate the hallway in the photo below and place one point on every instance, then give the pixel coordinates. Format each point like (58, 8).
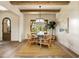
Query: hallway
(21, 50)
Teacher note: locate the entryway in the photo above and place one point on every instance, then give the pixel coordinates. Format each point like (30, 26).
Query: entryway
(6, 29)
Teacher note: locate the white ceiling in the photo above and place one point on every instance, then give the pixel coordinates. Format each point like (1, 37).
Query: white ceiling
(37, 6)
(2, 8)
(29, 7)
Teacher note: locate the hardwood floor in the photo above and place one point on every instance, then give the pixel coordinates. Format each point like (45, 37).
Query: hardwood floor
(11, 49)
(7, 49)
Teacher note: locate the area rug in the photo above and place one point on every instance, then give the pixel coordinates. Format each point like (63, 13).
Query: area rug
(40, 52)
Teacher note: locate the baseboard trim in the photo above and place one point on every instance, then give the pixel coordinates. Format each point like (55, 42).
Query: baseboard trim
(69, 50)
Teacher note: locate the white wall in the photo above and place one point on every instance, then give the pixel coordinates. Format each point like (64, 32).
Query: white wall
(71, 39)
(14, 25)
(17, 12)
(28, 17)
(21, 28)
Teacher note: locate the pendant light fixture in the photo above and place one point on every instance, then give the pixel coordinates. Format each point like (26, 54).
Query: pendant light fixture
(40, 20)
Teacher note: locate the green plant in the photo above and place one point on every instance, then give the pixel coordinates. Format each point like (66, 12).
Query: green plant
(51, 25)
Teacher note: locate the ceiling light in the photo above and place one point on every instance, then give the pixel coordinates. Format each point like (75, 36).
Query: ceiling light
(40, 20)
(3, 8)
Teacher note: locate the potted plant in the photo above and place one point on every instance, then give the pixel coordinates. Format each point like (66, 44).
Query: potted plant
(51, 25)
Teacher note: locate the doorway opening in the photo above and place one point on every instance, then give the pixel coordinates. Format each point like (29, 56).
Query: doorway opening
(6, 29)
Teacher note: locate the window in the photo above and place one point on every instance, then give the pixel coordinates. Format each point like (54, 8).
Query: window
(38, 26)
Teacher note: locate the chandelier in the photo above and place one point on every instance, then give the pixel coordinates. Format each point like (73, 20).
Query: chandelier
(40, 20)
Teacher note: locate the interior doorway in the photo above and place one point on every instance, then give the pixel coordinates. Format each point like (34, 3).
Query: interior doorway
(6, 29)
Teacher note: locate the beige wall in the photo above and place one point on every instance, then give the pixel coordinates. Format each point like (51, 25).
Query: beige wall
(28, 17)
(14, 25)
(71, 39)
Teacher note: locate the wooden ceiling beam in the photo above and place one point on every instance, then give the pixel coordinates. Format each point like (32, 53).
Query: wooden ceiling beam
(40, 2)
(38, 10)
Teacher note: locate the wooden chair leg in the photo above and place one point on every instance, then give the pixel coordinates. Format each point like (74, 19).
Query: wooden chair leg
(49, 45)
(29, 43)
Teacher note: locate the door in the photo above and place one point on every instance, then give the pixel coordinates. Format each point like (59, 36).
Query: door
(6, 29)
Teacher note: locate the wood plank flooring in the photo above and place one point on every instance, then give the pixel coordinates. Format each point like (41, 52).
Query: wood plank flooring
(11, 50)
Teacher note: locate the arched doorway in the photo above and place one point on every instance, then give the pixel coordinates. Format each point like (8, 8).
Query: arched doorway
(6, 29)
